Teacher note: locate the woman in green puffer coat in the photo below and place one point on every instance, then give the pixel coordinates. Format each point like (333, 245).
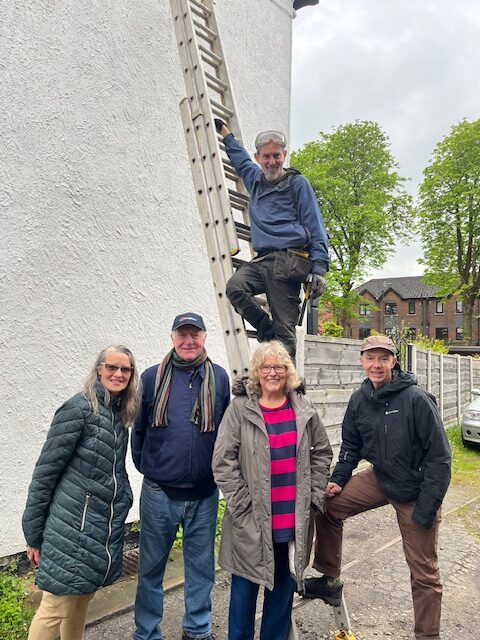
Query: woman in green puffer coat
(79, 497)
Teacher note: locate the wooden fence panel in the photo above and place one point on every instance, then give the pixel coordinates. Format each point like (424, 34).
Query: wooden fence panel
(332, 372)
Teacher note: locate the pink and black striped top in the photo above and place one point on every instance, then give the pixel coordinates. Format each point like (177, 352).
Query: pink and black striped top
(282, 436)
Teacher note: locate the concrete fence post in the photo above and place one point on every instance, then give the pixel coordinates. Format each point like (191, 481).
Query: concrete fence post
(414, 359)
(300, 355)
(429, 371)
(441, 385)
(459, 387)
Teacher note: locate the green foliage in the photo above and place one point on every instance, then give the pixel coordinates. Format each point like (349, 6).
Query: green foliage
(363, 202)
(331, 329)
(221, 511)
(449, 217)
(15, 615)
(135, 527)
(433, 344)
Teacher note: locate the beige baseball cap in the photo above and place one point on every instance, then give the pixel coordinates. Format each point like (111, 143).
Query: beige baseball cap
(378, 342)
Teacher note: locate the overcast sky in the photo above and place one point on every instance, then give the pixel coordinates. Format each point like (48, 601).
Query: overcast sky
(413, 66)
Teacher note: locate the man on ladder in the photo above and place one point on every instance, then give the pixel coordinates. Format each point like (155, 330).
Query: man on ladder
(287, 233)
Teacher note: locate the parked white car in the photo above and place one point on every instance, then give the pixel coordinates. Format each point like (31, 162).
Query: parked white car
(471, 421)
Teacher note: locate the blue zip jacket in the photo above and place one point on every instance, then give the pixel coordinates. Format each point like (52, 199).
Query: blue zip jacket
(283, 215)
(178, 455)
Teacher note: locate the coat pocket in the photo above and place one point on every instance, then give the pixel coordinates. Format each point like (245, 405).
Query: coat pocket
(246, 542)
(290, 266)
(86, 504)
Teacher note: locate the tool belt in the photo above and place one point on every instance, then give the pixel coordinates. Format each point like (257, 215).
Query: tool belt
(297, 252)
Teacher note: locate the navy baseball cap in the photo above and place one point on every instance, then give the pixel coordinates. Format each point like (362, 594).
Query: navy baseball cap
(192, 319)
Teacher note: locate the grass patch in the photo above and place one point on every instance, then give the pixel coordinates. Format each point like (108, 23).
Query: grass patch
(465, 462)
(15, 614)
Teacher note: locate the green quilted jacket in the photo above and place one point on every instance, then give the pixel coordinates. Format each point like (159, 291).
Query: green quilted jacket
(79, 498)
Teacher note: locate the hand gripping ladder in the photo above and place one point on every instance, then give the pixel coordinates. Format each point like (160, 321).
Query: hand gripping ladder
(221, 196)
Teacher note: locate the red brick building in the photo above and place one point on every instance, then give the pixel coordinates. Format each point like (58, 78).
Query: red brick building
(415, 303)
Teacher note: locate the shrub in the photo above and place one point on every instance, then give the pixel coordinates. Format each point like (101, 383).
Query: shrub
(221, 511)
(422, 342)
(331, 329)
(15, 615)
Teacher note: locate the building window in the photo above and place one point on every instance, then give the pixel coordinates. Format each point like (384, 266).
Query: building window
(439, 307)
(459, 333)
(441, 333)
(411, 307)
(459, 306)
(363, 333)
(364, 310)
(390, 308)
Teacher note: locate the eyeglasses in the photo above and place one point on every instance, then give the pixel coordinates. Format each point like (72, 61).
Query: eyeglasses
(270, 136)
(112, 368)
(278, 368)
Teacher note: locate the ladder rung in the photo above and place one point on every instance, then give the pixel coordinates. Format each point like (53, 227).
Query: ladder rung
(214, 59)
(243, 231)
(237, 197)
(221, 109)
(215, 83)
(196, 4)
(230, 172)
(204, 32)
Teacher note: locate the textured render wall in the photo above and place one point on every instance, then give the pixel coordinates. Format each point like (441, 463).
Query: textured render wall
(100, 236)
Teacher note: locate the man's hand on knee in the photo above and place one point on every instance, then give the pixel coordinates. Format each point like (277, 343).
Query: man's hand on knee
(332, 489)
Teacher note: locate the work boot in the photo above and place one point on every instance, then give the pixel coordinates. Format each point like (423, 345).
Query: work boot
(185, 636)
(326, 588)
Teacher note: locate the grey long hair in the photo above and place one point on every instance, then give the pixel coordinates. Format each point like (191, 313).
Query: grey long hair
(128, 397)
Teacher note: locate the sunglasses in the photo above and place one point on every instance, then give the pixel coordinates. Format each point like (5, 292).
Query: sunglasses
(270, 136)
(112, 368)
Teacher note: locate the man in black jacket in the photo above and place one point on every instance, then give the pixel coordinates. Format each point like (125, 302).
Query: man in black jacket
(395, 425)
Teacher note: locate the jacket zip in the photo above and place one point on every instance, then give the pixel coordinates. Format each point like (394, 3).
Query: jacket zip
(114, 469)
(85, 508)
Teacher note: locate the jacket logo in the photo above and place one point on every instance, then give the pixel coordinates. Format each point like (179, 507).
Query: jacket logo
(393, 411)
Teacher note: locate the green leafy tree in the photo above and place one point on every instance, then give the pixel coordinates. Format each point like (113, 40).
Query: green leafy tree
(449, 217)
(364, 205)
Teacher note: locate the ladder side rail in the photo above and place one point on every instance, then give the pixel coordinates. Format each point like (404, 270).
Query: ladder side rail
(197, 93)
(227, 95)
(235, 336)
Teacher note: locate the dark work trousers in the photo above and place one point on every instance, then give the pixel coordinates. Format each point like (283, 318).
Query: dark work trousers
(269, 275)
(362, 493)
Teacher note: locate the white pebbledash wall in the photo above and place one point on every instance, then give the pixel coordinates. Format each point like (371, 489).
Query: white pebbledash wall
(101, 240)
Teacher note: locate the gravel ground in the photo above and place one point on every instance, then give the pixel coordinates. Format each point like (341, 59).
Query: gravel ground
(376, 577)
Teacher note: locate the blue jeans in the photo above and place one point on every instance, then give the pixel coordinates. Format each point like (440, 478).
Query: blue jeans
(160, 518)
(277, 604)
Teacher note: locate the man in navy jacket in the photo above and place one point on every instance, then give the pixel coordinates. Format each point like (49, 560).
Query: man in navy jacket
(182, 401)
(396, 426)
(287, 233)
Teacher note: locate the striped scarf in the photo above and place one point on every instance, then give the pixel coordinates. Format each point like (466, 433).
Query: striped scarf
(203, 409)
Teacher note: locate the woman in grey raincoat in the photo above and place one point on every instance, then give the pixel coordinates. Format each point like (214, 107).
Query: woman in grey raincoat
(271, 462)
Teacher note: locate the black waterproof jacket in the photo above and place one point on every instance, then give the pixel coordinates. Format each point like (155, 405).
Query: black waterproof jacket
(399, 430)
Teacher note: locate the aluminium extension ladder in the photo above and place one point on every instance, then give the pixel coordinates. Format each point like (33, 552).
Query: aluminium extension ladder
(221, 196)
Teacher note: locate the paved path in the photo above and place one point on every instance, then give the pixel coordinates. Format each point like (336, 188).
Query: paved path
(376, 583)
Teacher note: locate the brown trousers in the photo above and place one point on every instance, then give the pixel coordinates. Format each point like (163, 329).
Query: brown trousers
(362, 493)
(60, 614)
